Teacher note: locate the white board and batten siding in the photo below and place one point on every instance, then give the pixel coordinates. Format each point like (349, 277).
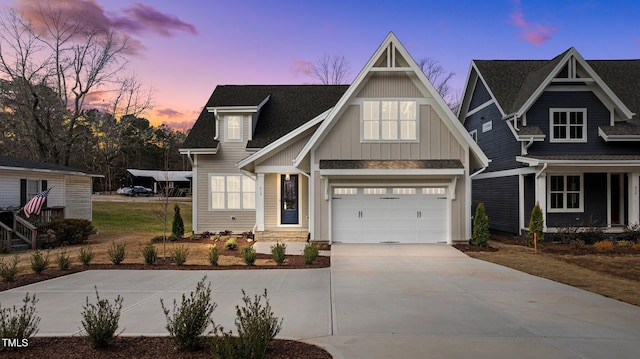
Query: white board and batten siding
(78, 196)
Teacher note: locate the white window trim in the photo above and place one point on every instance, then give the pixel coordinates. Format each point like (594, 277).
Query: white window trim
(568, 126)
(474, 135)
(399, 121)
(580, 209)
(225, 200)
(226, 128)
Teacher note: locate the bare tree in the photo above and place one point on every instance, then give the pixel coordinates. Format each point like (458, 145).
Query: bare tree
(439, 78)
(331, 70)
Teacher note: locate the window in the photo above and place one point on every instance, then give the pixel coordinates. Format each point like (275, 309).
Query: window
(233, 192)
(345, 191)
(434, 190)
(487, 126)
(375, 191)
(565, 193)
(389, 121)
(33, 188)
(568, 125)
(233, 129)
(404, 191)
(474, 135)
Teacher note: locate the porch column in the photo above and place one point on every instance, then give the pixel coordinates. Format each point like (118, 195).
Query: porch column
(260, 202)
(634, 198)
(541, 196)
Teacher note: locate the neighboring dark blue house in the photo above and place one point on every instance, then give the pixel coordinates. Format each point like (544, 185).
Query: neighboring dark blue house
(563, 133)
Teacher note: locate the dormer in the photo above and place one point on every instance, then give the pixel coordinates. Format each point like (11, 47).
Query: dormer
(236, 123)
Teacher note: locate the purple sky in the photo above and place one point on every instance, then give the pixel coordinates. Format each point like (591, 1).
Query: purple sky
(185, 48)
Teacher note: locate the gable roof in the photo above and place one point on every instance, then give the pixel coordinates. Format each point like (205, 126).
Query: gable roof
(161, 176)
(514, 84)
(13, 163)
(287, 108)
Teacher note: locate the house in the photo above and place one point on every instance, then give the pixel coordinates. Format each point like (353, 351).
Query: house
(381, 160)
(562, 133)
(178, 182)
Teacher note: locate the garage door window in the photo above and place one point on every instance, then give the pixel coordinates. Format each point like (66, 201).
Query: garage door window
(434, 190)
(345, 191)
(375, 191)
(404, 191)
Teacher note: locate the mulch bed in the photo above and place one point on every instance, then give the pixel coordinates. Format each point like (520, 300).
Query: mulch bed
(471, 248)
(146, 347)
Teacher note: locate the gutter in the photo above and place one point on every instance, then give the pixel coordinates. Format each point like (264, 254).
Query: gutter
(544, 167)
(477, 172)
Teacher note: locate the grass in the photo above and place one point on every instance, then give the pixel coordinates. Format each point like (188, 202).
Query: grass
(137, 216)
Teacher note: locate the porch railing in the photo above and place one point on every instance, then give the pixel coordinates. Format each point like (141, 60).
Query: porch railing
(25, 230)
(5, 238)
(28, 229)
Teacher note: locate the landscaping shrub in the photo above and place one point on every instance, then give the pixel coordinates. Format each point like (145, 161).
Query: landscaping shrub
(604, 246)
(180, 254)
(249, 255)
(278, 252)
(157, 239)
(39, 262)
(63, 260)
(149, 253)
(568, 233)
(72, 230)
(117, 252)
(188, 322)
(576, 244)
(85, 255)
(177, 227)
(592, 232)
(257, 326)
(231, 244)
(213, 255)
(9, 270)
(310, 253)
(100, 320)
(480, 236)
(19, 324)
(631, 232)
(625, 244)
(536, 225)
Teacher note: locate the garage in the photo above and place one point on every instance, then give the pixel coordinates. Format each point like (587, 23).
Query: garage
(389, 214)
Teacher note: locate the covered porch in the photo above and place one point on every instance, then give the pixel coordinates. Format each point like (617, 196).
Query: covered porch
(18, 232)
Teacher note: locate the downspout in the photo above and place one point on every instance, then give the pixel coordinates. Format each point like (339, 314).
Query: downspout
(525, 147)
(215, 115)
(544, 167)
(477, 172)
(190, 159)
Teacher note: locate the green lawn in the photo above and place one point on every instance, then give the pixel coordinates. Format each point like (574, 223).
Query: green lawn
(137, 216)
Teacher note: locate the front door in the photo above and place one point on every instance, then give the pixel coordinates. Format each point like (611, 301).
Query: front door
(289, 199)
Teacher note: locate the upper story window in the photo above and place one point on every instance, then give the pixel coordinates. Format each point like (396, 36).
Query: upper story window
(568, 125)
(389, 121)
(233, 128)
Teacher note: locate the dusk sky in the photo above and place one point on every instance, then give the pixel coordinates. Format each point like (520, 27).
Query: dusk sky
(185, 48)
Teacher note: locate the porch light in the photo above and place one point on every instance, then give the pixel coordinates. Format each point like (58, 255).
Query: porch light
(286, 177)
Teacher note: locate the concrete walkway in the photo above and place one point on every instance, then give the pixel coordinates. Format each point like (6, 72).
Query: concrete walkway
(376, 301)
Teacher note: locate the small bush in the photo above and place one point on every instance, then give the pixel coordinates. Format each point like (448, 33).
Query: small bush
(632, 232)
(39, 262)
(592, 232)
(72, 230)
(231, 244)
(149, 253)
(480, 236)
(576, 244)
(604, 246)
(180, 254)
(22, 323)
(117, 252)
(85, 255)
(249, 255)
(9, 270)
(568, 233)
(157, 239)
(100, 320)
(177, 227)
(189, 320)
(213, 255)
(310, 253)
(625, 244)
(63, 260)
(536, 225)
(278, 252)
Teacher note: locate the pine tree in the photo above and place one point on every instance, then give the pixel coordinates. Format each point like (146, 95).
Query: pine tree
(177, 228)
(480, 236)
(536, 225)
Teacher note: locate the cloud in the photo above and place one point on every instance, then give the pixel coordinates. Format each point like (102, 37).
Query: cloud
(301, 67)
(168, 112)
(533, 33)
(183, 126)
(143, 17)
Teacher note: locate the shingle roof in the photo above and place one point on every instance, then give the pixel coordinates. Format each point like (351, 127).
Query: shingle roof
(628, 128)
(6, 161)
(288, 107)
(530, 131)
(389, 164)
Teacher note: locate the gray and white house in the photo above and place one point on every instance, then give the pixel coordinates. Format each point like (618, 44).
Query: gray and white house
(381, 160)
(562, 133)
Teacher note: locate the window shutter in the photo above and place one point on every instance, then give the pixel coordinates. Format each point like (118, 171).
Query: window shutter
(23, 192)
(43, 186)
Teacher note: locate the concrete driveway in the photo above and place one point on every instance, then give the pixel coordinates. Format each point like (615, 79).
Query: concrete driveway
(376, 301)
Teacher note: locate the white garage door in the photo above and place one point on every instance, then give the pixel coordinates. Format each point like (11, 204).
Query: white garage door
(389, 214)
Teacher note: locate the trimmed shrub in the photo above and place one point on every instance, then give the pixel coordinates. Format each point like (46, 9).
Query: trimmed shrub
(249, 255)
(117, 252)
(39, 262)
(188, 322)
(85, 255)
(149, 253)
(603, 246)
(213, 255)
(257, 326)
(592, 232)
(278, 252)
(625, 244)
(9, 270)
(63, 260)
(180, 254)
(310, 253)
(19, 324)
(72, 230)
(177, 227)
(536, 225)
(100, 320)
(231, 244)
(480, 236)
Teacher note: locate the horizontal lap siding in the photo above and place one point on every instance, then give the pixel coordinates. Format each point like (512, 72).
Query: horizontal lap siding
(10, 187)
(78, 193)
(480, 95)
(595, 204)
(501, 201)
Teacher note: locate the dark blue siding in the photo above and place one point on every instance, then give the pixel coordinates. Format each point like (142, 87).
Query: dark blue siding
(500, 198)
(595, 204)
(480, 95)
(597, 115)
